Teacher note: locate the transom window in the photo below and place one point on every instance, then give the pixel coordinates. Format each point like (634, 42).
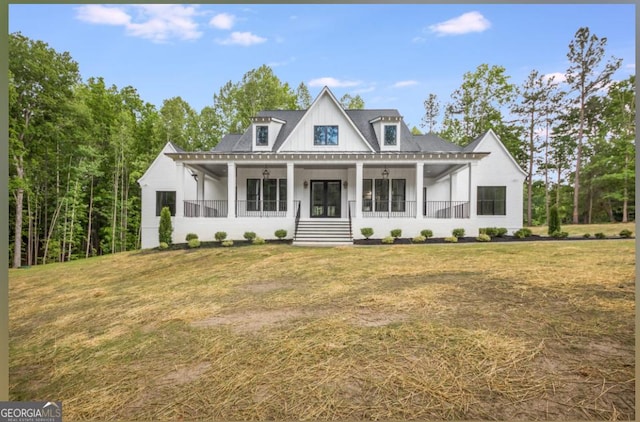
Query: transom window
(492, 200)
(262, 136)
(325, 135)
(390, 135)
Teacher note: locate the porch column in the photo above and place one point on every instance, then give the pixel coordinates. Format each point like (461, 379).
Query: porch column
(472, 192)
(180, 189)
(419, 186)
(359, 176)
(231, 190)
(450, 195)
(291, 212)
(200, 193)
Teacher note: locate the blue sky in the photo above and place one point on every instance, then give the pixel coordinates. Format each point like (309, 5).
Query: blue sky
(393, 55)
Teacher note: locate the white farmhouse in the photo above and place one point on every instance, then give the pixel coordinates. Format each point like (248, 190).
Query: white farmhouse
(324, 173)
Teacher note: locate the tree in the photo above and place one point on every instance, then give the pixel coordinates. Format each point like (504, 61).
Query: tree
(479, 102)
(179, 124)
(260, 89)
(584, 76)
(352, 103)
(431, 112)
(415, 131)
(165, 228)
(303, 97)
(42, 82)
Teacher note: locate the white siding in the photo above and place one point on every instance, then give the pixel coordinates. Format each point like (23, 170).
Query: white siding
(324, 112)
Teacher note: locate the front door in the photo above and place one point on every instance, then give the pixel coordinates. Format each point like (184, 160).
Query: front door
(326, 198)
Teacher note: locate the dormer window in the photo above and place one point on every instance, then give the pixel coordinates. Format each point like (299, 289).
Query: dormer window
(390, 135)
(325, 135)
(262, 136)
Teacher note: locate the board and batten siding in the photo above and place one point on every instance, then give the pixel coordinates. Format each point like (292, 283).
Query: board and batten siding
(325, 112)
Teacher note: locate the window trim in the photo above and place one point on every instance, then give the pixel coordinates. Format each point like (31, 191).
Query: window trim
(266, 141)
(160, 203)
(324, 129)
(395, 135)
(483, 205)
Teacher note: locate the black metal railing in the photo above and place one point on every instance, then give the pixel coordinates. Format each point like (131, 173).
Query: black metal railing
(445, 209)
(296, 205)
(388, 209)
(256, 208)
(212, 208)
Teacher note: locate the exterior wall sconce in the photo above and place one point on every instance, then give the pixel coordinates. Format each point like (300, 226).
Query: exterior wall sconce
(385, 173)
(265, 174)
(345, 184)
(305, 184)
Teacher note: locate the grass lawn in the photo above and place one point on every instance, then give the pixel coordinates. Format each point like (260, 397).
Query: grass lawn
(536, 330)
(577, 230)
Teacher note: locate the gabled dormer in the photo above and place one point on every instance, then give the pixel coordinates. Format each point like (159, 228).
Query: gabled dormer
(264, 132)
(387, 129)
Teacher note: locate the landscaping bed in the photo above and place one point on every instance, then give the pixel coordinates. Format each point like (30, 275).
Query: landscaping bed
(469, 239)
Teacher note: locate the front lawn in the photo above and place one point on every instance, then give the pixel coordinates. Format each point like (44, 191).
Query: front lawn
(541, 330)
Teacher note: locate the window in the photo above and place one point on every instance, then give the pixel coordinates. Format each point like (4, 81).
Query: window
(282, 187)
(262, 136)
(166, 199)
(492, 200)
(253, 194)
(390, 135)
(269, 194)
(398, 194)
(325, 135)
(382, 194)
(367, 195)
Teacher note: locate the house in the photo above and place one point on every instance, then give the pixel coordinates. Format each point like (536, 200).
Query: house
(324, 173)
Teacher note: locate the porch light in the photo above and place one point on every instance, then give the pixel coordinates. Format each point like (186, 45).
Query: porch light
(265, 173)
(385, 173)
(305, 184)
(345, 184)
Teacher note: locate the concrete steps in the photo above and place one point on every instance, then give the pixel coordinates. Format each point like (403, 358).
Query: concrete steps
(325, 232)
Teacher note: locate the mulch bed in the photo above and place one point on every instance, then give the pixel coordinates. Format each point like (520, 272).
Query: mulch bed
(440, 240)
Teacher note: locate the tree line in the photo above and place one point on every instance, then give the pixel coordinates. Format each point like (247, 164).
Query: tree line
(575, 138)
(77, 148)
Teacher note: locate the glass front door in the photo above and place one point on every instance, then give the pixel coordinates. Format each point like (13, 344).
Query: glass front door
(326, 198)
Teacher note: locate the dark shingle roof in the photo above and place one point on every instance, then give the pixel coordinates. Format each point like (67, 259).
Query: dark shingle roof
(473, 144)
(433, 143)
(227, 143)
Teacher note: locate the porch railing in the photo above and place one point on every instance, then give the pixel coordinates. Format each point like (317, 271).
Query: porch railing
(212, 208)
(388, 209)
(256, 208)
(445, 209)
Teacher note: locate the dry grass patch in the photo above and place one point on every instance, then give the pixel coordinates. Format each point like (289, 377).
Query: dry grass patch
(474, 331)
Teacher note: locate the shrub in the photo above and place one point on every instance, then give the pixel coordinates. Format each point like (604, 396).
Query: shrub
(451, 239)
(554, 221)
(457, 232)
(489, 231)
(194, 243)
(249, 236)
(387, 240)
(522, 233)
(281, 234)
(600, 235)
(367, 232)
(396, 233)
(483, 238)
(559, 235)
(258, 241)
(626, 233)
(191, 236)
(227, 243)
(426, 233)
(220, 236)
(501, 231)
(163, 245)
(586, 235)
(165, 229)
(419, 239)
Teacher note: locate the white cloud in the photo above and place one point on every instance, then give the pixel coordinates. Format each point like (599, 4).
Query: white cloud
(155, 22)
(332, 83)
(242, 38)
(282, 63)
(558, 77)
(418, 39)
(403, 84)
(223, 21)
(365, 90)
(463, 24)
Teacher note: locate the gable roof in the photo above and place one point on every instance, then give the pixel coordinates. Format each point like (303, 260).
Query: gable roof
(473, 146)
(359, 119)
(168, 148)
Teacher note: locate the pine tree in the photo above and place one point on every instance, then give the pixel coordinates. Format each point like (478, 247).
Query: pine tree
(165, 229)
